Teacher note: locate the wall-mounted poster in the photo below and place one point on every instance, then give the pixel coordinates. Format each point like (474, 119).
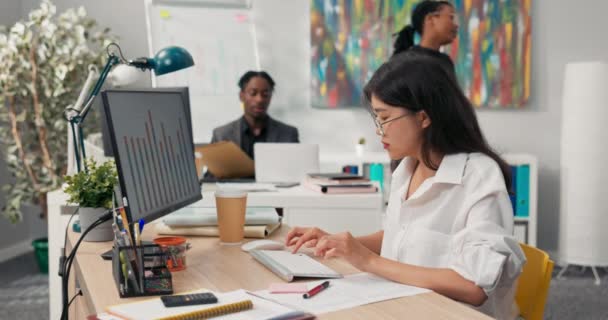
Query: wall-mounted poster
(350, 39)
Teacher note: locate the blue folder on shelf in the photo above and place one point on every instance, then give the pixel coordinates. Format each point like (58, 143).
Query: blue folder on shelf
(522, 191)
(513, 188)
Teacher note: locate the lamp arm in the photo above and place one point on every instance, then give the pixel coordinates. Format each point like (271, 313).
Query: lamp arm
(93, 72)
(76, 119)
(76, 150)
(73, 154)
(112, 61)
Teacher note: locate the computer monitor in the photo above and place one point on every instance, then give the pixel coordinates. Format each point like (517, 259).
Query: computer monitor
(151, 135)
(105, 133)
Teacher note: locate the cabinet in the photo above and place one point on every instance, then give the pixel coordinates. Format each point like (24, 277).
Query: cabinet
(525, 227)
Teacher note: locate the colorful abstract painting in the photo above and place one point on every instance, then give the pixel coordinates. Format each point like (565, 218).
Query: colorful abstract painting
(350, 39)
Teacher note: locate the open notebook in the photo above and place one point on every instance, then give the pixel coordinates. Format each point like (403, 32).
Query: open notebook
(288, 265)
(231, 305)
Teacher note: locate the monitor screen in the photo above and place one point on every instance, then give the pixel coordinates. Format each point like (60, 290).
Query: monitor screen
(151, 137)
(105, 133)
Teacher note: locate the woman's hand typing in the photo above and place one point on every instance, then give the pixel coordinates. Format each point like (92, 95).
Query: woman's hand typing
(299, 236)
(344, 245)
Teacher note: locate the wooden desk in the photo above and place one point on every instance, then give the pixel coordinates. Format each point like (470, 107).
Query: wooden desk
(226, 268)
(358, 213)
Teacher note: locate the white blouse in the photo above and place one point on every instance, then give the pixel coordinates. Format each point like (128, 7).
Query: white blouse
(461, 219)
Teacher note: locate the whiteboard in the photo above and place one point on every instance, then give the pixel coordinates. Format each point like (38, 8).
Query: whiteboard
(221, 39)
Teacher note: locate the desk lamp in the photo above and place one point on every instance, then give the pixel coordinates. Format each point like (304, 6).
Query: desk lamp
(167, 60)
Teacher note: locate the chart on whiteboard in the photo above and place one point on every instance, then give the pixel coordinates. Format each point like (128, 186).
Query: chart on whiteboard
(222, 44)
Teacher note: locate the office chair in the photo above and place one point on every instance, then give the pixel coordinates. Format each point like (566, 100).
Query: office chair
(533, 285)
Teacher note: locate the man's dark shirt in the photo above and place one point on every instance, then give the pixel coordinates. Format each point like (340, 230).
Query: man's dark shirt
(239, 132)
(248, 138)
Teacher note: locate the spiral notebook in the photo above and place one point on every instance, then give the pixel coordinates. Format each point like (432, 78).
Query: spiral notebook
(231, 305)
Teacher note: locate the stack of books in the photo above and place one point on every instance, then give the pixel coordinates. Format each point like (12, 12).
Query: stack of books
(339, 183)
(197, 221)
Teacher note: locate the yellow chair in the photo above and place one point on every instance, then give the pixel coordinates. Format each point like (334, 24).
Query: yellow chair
(533, 285)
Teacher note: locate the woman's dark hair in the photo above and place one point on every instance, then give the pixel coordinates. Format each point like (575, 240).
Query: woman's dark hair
(405, 37)
(252, 74)
(418, 82)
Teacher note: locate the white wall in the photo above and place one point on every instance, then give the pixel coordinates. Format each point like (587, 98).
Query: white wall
(10, 12)
(563, 30)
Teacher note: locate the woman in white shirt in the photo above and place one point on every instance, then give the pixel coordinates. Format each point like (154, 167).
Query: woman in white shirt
(449, 219)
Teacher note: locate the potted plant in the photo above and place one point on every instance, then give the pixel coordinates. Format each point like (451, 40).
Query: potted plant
(360, 147)
(93, 192)
(43, 63)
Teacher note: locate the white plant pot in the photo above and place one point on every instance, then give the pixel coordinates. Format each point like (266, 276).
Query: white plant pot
(102, 232)
(359, 150)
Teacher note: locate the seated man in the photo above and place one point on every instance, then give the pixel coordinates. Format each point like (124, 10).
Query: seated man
(255, 125)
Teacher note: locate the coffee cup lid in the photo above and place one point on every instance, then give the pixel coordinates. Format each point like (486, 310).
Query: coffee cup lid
(230, 193)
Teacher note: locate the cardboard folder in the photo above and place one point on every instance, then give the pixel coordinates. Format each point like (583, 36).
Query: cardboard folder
(226, 160)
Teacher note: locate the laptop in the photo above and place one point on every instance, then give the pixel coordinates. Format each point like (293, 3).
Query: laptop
(285, 162)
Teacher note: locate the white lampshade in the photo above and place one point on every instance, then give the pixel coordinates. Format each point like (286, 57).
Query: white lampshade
(584, 165)
(122, 75)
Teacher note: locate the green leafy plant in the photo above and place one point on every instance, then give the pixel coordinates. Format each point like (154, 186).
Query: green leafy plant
(43, 63)
(93, 189)
(361, 140)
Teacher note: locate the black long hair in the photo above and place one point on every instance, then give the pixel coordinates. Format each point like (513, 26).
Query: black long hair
(418, 82)
(405, 37)
(252, 74)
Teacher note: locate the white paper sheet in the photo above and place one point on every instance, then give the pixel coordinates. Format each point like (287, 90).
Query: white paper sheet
(350, 291)
(154, 308)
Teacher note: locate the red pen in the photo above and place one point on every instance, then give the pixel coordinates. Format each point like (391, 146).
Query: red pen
(312, 292)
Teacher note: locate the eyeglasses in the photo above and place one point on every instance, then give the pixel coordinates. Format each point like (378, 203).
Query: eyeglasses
(453, 16)
(380, 125)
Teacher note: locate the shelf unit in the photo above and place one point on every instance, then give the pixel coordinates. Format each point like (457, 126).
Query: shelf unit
(525, 228)
(529, 223)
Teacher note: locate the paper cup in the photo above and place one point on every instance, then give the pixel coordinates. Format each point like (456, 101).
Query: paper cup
(231, 205)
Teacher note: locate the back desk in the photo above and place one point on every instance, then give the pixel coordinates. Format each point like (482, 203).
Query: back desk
(360, 214)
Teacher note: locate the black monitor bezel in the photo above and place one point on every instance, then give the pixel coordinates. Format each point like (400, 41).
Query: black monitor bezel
(123, 190)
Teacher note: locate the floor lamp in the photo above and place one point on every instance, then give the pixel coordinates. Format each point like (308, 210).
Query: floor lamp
(583, 237)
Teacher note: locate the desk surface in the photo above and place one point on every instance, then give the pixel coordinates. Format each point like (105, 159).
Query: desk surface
(225, 268)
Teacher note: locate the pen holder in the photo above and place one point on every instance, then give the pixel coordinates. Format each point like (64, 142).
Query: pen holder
(141, 271)
(174, 249)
